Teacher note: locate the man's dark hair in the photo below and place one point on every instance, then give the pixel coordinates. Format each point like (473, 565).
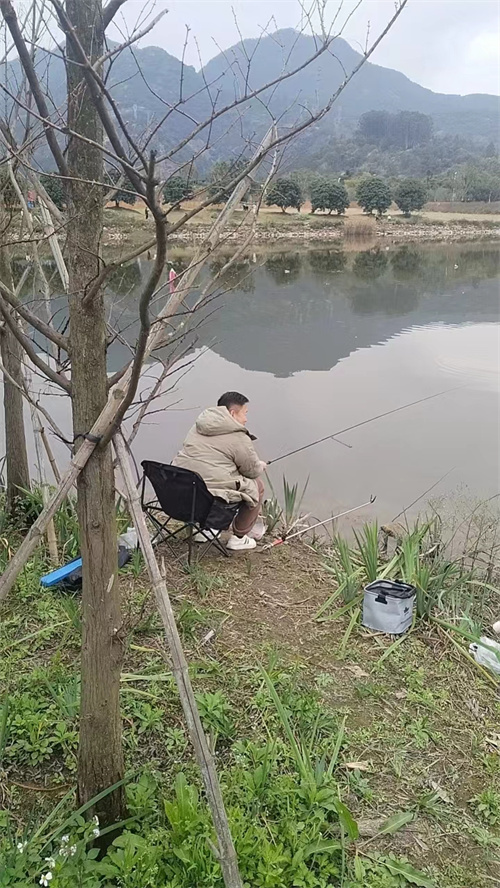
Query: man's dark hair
(232, 399)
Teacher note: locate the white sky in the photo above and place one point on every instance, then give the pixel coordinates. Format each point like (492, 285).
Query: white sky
(450, 46)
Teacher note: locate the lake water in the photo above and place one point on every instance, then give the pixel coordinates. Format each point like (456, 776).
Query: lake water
(321, 339)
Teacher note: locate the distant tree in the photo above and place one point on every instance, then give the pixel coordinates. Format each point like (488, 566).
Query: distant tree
(221, 175)
(411, 128)
(406, 129)
(285, 193)
(374, 194)
(485, 188)
(177, 190)
(55, 189)
(123, 193)
(375, 125)
(475, 183)
(410, 194)
(327, 195)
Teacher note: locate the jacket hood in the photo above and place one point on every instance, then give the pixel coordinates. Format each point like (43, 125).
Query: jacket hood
(217, 421)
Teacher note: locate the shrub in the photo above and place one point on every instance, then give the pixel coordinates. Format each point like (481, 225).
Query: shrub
(285, 193)
(329, 196)
(410, 195)
(374, 194)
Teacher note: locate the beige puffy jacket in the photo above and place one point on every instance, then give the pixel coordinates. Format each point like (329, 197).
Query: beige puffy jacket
(221, 450)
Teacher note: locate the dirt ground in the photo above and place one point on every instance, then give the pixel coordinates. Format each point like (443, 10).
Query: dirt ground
(434, 212)
(422, 723)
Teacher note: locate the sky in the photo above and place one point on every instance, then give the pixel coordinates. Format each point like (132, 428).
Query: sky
(449, 46)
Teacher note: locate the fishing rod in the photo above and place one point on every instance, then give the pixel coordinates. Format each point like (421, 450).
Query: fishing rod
(365, 422)
(297, 533)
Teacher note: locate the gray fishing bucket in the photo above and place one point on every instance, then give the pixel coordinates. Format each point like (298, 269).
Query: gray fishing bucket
(388, 606)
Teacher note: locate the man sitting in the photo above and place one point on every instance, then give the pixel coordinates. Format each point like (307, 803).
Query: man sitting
(220, 449)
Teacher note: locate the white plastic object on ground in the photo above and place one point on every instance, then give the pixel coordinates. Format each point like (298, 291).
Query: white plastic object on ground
(496, 627)
(486, 652)
(258, 530)
(129, 539)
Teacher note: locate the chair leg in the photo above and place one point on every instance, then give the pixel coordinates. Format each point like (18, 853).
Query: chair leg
(215, 541)
(190, 544)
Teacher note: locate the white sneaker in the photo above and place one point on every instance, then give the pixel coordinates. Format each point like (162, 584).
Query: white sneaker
(199, 538)
(258, 530)
(240, 544)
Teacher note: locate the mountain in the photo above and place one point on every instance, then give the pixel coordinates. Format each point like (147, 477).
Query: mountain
(373, 88)
(147, 82)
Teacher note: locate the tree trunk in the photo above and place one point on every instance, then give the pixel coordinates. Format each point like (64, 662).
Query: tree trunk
(100, 762)
(17, 468)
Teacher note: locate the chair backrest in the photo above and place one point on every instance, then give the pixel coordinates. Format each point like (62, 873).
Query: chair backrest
(178, 490)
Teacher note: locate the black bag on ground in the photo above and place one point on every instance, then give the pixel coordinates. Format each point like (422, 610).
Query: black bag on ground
(73, 582)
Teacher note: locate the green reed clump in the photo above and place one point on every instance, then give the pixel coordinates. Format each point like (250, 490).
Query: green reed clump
(453, 586)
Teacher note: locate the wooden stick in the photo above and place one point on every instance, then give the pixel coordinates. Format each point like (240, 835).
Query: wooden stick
(50, 531)
(50, 456)
(54, 245)
(226, 852)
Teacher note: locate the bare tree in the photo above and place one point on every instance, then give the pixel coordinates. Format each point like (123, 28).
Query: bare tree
(79, 137)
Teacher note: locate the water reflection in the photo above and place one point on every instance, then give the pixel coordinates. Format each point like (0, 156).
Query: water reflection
(125, 279)
(284, 268)
(239, 275)
(326, 262)
(309, 310)
(406, 263)
(370, 264)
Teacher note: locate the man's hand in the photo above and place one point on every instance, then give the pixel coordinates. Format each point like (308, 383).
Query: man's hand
(263, 465)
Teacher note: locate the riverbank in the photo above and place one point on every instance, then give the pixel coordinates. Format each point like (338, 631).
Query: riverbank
(411, 731)
(129, 227)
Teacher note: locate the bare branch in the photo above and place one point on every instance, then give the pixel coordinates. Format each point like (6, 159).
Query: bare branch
(25, 392)
(66, 131)
(30, 350)
(145, 321)
(12, 23)
(45, 329)
(110, 11)
(137, 35)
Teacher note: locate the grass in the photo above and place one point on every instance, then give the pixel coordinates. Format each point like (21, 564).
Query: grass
(339, 767)
(283, 515)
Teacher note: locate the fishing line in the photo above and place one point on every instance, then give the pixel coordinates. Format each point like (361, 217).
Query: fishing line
(415, 501)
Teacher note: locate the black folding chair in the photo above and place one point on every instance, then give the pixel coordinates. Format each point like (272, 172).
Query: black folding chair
(182, 495)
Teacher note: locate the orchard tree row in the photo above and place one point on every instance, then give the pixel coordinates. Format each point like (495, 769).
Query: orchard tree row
(326, 193)
(372, 194)
(376, 195)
